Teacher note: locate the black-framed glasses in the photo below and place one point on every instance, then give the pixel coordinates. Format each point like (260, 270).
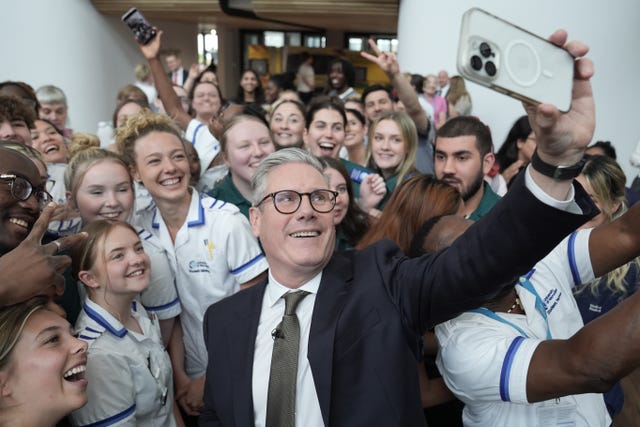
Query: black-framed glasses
(22, 189)
(288, 201)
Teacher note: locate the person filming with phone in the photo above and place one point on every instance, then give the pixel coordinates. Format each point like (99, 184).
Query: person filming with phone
(351, 321)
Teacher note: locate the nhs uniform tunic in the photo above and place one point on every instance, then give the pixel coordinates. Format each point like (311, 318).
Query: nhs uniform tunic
(206, 145)
(484, 361)
(161, 296)
(129, 374)
(214, 252)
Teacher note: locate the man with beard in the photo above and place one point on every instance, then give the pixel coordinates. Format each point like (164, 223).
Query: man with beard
(463, 156)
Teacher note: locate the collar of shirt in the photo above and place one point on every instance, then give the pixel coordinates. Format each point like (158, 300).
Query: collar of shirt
(275, 290)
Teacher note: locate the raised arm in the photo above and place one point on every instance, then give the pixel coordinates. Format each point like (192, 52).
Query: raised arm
(168, 97)
(388, 62)
(563, 138)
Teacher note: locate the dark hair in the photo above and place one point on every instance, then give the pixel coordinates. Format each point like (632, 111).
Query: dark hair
(198, 83)
(284, 81)
(374, 88)
(413, 202)
(358, 115)
(13, 108)
(347, 69)
(508, 152)
(417, 81)
(607, 148)
(467, 126)
(27, 90)
(49, 122)
(258, 94)
(417, 243)
(356, 221)
(324, 103)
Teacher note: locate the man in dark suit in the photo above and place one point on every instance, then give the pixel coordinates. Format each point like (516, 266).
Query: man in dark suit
(177, 74)
(360, 322)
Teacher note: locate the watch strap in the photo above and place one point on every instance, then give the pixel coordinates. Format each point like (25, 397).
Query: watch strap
(556, 172)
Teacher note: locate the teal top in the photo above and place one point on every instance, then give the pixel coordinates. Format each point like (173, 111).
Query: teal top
(488, 201)
(227, 192)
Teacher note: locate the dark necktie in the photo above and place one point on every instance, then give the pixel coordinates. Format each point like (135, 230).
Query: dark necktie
(281, 399)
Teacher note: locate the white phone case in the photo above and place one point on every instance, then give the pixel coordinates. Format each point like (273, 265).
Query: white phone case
(525, 66)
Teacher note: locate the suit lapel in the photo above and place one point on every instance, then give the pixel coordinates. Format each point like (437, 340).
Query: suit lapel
(243, 344)
(336, 279)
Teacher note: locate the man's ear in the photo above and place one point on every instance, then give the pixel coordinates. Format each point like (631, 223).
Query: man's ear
(487, 162)
(88, 279)
(254, 220)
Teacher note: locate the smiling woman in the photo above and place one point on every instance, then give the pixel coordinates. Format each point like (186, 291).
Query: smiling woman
(41, 366)
(124, 339)
(208, 241)
(48, 140)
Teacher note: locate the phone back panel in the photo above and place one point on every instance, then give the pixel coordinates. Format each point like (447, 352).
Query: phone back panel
(525, 66)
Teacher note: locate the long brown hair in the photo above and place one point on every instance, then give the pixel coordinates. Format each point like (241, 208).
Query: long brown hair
(413, 202)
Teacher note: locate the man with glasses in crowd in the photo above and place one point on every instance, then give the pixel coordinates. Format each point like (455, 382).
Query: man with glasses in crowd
(28, 267)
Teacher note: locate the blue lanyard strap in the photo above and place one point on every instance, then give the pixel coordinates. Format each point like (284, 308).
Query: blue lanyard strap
(539, 304)
(541, 307)
(492, 315)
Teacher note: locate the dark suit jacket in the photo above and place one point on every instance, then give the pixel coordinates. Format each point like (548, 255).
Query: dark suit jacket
(371, 308)
(185, 74)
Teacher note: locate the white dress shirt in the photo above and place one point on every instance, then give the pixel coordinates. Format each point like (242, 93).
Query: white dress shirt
(307, 404)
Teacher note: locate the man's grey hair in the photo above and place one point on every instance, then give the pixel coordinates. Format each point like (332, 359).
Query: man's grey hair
(275, 159)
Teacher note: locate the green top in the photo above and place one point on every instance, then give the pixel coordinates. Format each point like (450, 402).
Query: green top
(488, 201)
(227, 192)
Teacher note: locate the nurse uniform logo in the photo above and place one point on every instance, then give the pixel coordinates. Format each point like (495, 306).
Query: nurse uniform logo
(198, 267)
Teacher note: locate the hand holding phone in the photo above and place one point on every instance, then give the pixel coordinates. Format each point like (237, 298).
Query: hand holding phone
(497, 54)
(141, 28)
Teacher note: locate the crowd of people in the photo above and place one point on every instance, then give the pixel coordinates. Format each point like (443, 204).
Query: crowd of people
(285, 256)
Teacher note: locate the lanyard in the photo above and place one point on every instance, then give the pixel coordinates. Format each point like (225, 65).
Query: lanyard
(539, 304)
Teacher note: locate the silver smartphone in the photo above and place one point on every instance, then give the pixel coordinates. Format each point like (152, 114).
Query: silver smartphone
(497, 54)
(141, 28)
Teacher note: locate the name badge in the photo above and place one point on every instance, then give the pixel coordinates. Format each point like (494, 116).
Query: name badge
(557, 412)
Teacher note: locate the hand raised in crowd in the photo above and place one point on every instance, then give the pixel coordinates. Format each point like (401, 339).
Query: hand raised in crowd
(563, 137)
(194, 71)
(372, 191)
(32, 268)
(152, 49)
(387, 61)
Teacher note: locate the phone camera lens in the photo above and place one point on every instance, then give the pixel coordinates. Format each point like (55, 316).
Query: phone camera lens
(485, 50)
(476, 63)
(490, 68)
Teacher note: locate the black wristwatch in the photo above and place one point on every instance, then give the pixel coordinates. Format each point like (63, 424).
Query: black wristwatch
(557, 172)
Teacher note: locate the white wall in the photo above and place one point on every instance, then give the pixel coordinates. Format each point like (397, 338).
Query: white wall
(69, 44)
(428, 39)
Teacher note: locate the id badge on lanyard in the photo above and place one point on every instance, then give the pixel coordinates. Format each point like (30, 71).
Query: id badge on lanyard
(556, 412)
